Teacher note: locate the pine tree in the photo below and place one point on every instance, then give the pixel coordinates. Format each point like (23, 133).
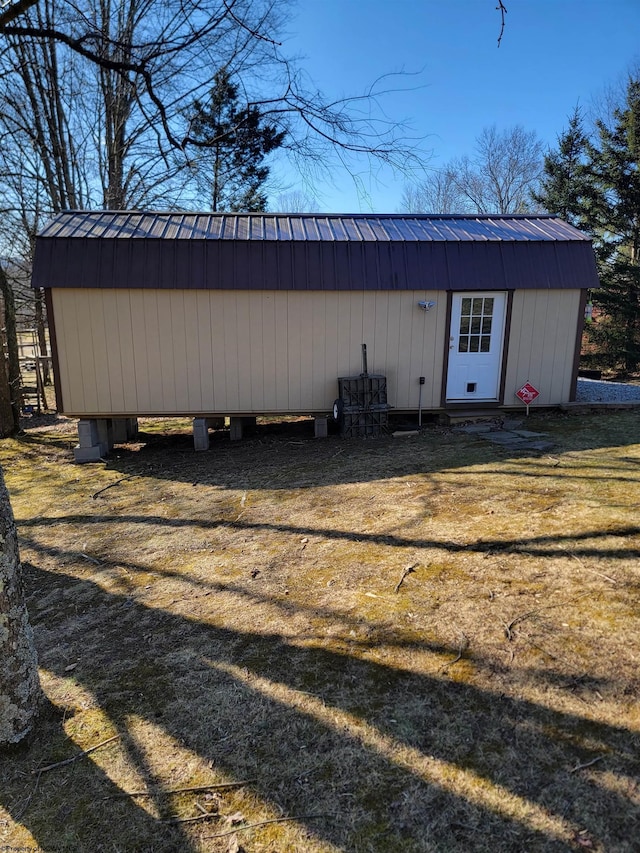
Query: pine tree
(595, 185)
(235, 141)
(613, 218)
(565, 185)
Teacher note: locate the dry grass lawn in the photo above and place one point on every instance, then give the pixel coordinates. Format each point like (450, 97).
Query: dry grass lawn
(417, 644)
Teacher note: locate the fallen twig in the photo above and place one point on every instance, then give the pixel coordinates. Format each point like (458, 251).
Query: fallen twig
(263, 823)
(592, 571)
(18, 815)
(406, 571)
(193, 819)
(522, 616)
(552, 656)
(218, 786)
(586, 764)
(75, 757)
(464, 645)
(117, 482)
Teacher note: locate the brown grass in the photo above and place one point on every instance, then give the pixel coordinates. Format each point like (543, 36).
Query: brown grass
(232, 617)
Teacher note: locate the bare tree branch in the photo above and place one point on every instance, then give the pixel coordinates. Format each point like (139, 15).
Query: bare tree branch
(502, 9)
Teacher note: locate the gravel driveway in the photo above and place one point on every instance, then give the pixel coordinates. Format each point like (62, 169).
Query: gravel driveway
(597, 391)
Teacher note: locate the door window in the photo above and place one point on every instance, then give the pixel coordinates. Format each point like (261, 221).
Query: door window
(475, 324)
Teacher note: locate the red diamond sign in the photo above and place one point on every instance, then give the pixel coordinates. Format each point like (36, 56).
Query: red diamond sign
(527, 393)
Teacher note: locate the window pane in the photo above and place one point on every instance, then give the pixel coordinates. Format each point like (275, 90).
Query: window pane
(464, 325)
(475, 325)
(463, 345)
(474, 343)
(477, 306)
(488, 305)
(486, 326)
(485, 343)
(466, 306)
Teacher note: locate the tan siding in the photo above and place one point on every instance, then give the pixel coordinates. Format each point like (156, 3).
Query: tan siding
(268, 331)
(218, 352)
(152, 340)
(195, 351)
(343, 334)
(179, 317)
(140, 354)
(127, 335)
(91, 361)
(281, 363)
(355, 333)
(225, 352)
(321, 341)
(204, 333)
(331, 364)
(68, 350)
(253, 341)
(231, 357)
(541, 344)
(295, 344)
(436, 333)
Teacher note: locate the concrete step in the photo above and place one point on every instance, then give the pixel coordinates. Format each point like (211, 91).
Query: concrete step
(458, 416)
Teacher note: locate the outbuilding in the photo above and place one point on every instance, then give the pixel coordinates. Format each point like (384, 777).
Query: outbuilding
(238, 315)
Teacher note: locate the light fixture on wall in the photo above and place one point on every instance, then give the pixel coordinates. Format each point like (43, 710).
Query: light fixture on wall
(426, 306)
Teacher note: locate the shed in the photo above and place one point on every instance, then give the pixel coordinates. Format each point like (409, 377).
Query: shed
(209, 315)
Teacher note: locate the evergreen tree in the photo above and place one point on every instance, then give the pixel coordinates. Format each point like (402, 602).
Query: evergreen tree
(595, 185)
(235, 141)
(565, 185)
(613, 218)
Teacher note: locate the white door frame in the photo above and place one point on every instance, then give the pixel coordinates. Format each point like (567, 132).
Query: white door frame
(475, 346)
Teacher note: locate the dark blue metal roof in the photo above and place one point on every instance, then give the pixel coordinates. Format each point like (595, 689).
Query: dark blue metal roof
(279, 251)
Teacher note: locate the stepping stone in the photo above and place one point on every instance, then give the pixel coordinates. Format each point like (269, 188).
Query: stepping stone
(511, 424)
(509, 439)
(472, 429)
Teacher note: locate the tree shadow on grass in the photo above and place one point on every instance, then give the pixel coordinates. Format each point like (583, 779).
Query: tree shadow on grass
(552, 545)
(64, 807)
(390, 759)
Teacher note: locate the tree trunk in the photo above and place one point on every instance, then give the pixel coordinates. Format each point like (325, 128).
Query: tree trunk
(6, 412)
(12, 349)
(42, 335)
(19, 682)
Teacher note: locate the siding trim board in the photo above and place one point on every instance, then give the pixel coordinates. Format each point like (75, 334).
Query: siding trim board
(505, 345)
(53, 340)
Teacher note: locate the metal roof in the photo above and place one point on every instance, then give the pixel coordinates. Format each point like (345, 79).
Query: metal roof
(133, 249)
(306, 226)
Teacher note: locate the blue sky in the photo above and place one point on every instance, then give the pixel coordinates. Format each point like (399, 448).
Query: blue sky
(554, 54)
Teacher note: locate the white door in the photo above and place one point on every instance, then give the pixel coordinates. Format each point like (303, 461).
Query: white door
(475, 346)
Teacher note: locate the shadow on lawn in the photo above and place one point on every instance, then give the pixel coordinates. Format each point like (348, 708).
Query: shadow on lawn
(358, 742)
(281, 457)
(536, 546)
(284, 455)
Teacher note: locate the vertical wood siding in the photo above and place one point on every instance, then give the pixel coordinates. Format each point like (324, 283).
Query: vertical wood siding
(225, 352)
(544, 325)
